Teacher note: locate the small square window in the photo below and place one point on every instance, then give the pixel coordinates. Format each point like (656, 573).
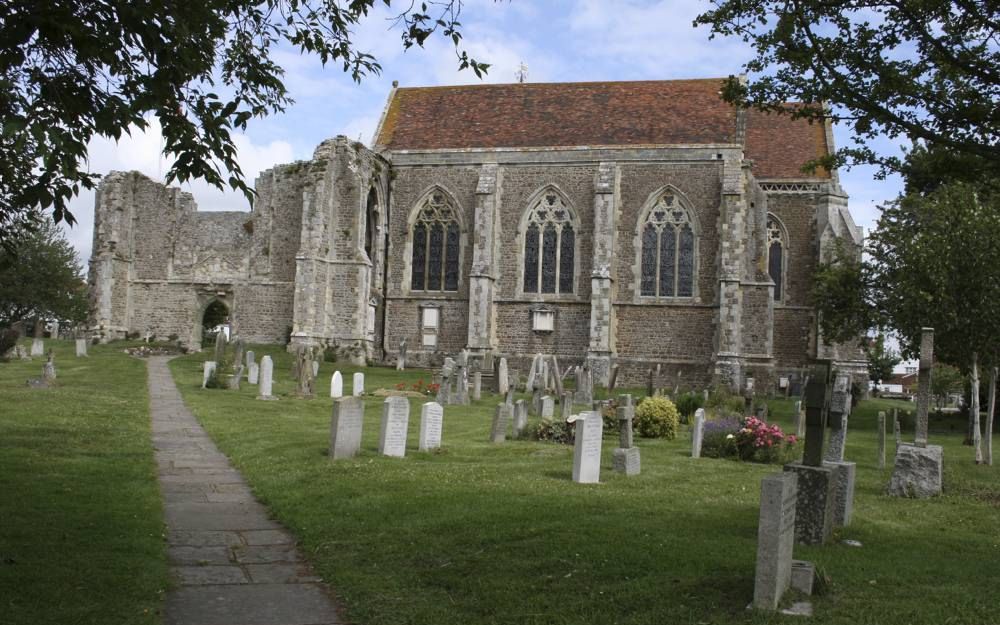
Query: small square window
(430, 339)
(543, 321)
(431, 316)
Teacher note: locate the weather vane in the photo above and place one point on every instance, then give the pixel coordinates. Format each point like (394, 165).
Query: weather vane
(522, 72)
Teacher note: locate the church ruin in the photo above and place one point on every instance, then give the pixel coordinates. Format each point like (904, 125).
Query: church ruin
(636, 223)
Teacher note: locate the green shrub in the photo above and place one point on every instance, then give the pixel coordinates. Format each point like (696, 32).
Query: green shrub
(8, 339)
(609, 414)
(656, 417)
(556, 430)
(215, 380)
(688, 403)
(724, 403)
(330, 354)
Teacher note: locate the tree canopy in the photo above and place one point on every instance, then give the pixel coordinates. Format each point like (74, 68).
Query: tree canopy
(71, 70)
(925, 70)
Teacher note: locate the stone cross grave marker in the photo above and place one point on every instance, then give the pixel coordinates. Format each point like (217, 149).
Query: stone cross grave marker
(254, 374)
(503, 382)
(587, 448)
(697, 432)
(81, 348)
(266, 378)
(840, 410)
(881, 439)
(207, 369)
(775, 539)
(345, 427)
(625, 458)
(336, 385)
(431, 421)
(924, 384)
(358, 384)
(395, 421)
(520, 417)
(498, 433)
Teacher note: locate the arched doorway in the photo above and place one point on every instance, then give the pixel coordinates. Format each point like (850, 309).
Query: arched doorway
(214, 319)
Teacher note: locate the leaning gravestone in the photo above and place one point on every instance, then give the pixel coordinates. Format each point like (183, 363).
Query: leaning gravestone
(254, 374)
(207, 370)
(775, 539)
(917, 469)
(395, 421)
(625, 458)
(266, 378)
(336, 385)
(345, 427)
(81, 348)
(431, 417)
(587, 448)
(520, 417)
(697, 432)
(897, 431)
(498, 433)
(358, 385)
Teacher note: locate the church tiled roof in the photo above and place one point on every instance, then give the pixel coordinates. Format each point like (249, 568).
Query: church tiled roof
(650, 113)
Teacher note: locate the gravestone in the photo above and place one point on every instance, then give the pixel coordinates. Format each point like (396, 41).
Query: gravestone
(236, 378)
(520, 417)
(37, 347)
(840, 410)
(651, 383)
(917, 468)
(345, 427)
(336, 385)
(477, 386)
(81, 348)
(548, 407)
(207, 369)
(461, 385)
(566, 405)
(444, 390)
(250, 358)
(536, 402)
(843, 491)
(358, 384)
(697, 432)
(502, 416)
(533, 373)
(239, 348)
(584, 385)
(613, 381)
(306, 381)
(625, 458)
(220, 346)
(315, 366)
(881, 439)
(431, 418)
(509, 398)
(54, 333)
(503, 382)
(775, 539)
(556, 376)
(587, 448)
(266, 378)
(401, 360)
(897, 431)
(254, 374)
(49, 369)
(395, 421)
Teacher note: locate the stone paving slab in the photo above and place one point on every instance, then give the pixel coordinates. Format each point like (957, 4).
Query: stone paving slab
(232, 563)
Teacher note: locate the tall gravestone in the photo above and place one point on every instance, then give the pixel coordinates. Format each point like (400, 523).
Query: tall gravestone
(587, 448)
(431, 421)
(498, 432)
(897, 431)
(477, 386)
(395, 421)
(336, 385)
(444, 390)
(566, 405)
(401, 359)
(613, 379)
(697, 432)
(239, 349)
(236, 378)
(358, 384)
(520, 417)
(503, 382)
(840, 409)
(625, 458)
(556, 376)
(250, 358)
(816, 482)
(220, 346)
(81, 348)
(775, 539)
(345, 427)
(306, 381)
(266, 378)
(881, 440)
(254, 374)
(207, 370)
(917, 468)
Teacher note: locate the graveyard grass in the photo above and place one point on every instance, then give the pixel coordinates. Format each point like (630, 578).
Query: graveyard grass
(485, 534)
(81, 530)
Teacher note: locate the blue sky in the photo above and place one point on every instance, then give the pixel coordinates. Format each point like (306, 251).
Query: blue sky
(559, 41)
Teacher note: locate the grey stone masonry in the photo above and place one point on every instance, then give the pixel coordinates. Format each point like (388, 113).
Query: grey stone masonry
(697, 432)
(431, 422)
(775, 539)
(814, 511)
(230, 563)
(587, 448)
(498, 433)
(345, 427)
(81, 348)
(395, 421)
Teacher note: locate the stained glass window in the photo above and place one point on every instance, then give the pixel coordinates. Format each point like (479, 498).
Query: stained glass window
(669, 249)
(549, 263)
(436, 243)
(776, 256)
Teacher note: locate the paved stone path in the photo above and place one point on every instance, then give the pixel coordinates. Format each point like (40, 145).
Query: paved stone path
(232, 565)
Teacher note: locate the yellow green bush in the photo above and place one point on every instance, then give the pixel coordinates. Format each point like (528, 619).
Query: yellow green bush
(656, 417)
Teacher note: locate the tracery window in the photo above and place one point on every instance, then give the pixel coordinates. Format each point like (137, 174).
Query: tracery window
(668, 250)
(776, 256)
(436, 235)
(549, 246)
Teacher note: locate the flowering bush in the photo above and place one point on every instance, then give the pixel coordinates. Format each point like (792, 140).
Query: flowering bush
(433, 388)
(759, 441)
(418, 386)
(401, 386)
(719, 438)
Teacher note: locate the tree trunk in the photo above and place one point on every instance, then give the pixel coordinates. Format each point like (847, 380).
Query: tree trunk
(991, 403)
(977, 440)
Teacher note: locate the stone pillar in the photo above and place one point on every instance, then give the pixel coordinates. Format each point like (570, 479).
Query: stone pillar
(483, 276)
(732, 268)
(602, 323)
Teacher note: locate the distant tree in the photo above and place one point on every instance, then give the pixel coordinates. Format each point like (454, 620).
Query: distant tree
(76, 69)
(945, 381)
(881, 359)
(926, 70)
(41, 277)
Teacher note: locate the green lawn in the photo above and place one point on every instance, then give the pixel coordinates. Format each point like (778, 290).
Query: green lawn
(485, 534)
(81, 532)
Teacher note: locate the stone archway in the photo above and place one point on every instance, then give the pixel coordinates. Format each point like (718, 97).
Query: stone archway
(214, 315)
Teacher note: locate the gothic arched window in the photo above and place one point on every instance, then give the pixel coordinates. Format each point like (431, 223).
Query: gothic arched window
(549, 246)
(668, 249)
(776, 255)
(436, 236)
(371, 221)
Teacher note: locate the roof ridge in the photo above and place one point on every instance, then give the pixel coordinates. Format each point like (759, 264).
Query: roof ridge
(486, 85)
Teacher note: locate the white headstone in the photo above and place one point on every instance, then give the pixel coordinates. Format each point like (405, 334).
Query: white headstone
(395, 420)
(345, 427)
(775, 539)
(520, 417)
(548, 407)
(37, 347)
(266, 377)
(208, 368)
(477, 386)
(358, 388)
(431, 417)
(698, 432)
(587, 449)
(337, 385)
(253, 375)
(315, 368)
(503, 384)
(81, 347)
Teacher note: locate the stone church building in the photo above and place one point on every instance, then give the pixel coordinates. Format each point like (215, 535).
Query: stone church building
(639, 223)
